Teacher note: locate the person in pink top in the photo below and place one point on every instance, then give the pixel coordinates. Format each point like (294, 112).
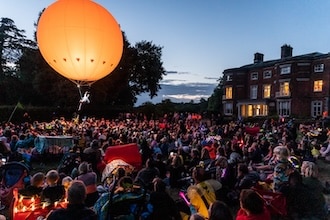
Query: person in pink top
(252, 207)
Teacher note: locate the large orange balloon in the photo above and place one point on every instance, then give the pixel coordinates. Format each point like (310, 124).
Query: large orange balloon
(80, 39)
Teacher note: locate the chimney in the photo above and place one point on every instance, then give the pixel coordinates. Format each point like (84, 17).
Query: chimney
(258, 58)
(286, 51)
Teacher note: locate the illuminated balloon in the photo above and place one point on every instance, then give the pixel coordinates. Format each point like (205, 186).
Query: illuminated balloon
(80, 39)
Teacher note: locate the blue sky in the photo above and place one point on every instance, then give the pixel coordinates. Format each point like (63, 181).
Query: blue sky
(201, 39)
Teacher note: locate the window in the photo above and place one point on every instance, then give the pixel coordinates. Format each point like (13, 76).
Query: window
(266, 91)
(249, 110)
(284, 108)
(267, 74)
(318, 85)
(318, 68)
(316, 108)
(285, 69)
(228, 108)
(285, 89)
(229, 92)
(229, 77)
(254, 76)
(254, 92)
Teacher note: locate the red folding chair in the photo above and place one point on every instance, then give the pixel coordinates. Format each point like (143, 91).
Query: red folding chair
(274, 201)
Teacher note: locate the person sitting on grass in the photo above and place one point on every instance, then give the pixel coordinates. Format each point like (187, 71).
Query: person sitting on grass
(36, 186)
(76, 208)
(53, 191)
(252, 207)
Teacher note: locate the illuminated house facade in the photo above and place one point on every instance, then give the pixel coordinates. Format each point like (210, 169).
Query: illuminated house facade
(295, 86)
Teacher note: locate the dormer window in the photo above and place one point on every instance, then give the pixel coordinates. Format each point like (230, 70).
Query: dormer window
(267, 74)
(229, 77)
(254, 76)
(319, 68)
(285, 69)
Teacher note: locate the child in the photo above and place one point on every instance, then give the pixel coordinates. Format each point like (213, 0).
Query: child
(36, 186)
(52, 192)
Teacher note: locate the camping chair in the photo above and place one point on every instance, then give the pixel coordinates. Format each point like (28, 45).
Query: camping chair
(12, 176)
(128, 205)
(275, 202)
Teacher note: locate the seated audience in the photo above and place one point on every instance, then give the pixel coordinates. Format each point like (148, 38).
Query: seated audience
(76, 208)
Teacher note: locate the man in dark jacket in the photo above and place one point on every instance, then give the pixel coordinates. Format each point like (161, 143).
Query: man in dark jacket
(76, 208)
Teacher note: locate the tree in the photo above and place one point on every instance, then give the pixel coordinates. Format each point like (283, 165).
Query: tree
(139, 71)
(215, 101)
(12, 44)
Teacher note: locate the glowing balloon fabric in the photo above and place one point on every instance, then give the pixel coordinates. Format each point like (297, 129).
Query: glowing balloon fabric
(80, 39)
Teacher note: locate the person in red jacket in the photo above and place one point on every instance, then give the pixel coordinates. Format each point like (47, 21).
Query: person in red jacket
(252, 207)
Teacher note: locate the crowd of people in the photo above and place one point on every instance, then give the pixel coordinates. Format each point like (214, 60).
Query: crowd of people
(193, 168)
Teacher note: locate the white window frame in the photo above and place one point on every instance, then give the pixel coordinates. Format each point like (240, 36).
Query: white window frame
(254, 92)
(267, 74)
(286, 69)
(319, 68)
(228, 108)
(229, 77)
(284, 107)
(316, 108)
(254, 76)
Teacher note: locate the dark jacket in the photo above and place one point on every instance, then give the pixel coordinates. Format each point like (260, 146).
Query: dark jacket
(76, 212)
(164, 207)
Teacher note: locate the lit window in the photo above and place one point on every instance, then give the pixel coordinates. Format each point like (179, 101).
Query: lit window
(254, 92)
(316, 108)
(266, 92)
(267, 74)
(285, 69)
(250, 110)
(319, 68)
(318, 85)
(229, 92)
(254, 76)
(285, 89)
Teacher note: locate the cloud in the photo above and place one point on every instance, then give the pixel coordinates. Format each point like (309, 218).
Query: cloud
(211, 78)
(172, 81)
(171, 72)
(185, 97)
(184, 92)
(177, 72)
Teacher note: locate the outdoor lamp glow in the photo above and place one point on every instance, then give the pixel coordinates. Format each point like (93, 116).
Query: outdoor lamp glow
(80, 39)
